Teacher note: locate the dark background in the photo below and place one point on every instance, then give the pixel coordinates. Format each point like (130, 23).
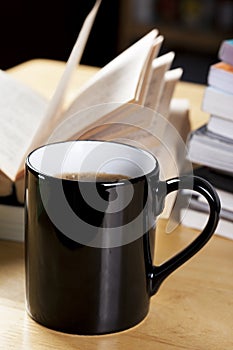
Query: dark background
(48, 29)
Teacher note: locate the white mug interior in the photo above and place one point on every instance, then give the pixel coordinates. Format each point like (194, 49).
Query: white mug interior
(91, 156)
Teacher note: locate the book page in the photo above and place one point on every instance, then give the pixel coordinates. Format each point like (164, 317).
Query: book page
(103, 122)
(159, 125)
(159, 67)
(171, 156)
(111, 87)
(56, 104)
(117, 82)
(22, 110)
(170, 80)
(147, 71)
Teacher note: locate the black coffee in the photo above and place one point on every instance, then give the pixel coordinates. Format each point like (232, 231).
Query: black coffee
(94, 177)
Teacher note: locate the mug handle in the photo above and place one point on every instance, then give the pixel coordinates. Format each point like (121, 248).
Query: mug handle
(157, 274)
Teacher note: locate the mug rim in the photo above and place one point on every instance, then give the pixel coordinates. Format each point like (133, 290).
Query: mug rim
(155, 170)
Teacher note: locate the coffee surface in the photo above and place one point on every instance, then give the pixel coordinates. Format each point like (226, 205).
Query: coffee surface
(94, 177)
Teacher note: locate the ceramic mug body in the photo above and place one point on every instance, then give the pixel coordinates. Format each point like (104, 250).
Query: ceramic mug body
(90, 222)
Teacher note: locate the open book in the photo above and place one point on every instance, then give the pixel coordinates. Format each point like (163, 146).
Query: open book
(136, 78)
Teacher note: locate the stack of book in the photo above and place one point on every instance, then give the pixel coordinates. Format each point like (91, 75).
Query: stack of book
(211, 146)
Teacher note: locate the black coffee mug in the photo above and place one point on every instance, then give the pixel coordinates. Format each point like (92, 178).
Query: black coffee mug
(91, 209)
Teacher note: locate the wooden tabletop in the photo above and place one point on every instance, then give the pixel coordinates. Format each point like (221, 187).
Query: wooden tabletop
(193, 308)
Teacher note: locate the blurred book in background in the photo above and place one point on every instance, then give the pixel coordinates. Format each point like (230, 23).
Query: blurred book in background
(226, 50)
(210, 147)
(221, 76)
